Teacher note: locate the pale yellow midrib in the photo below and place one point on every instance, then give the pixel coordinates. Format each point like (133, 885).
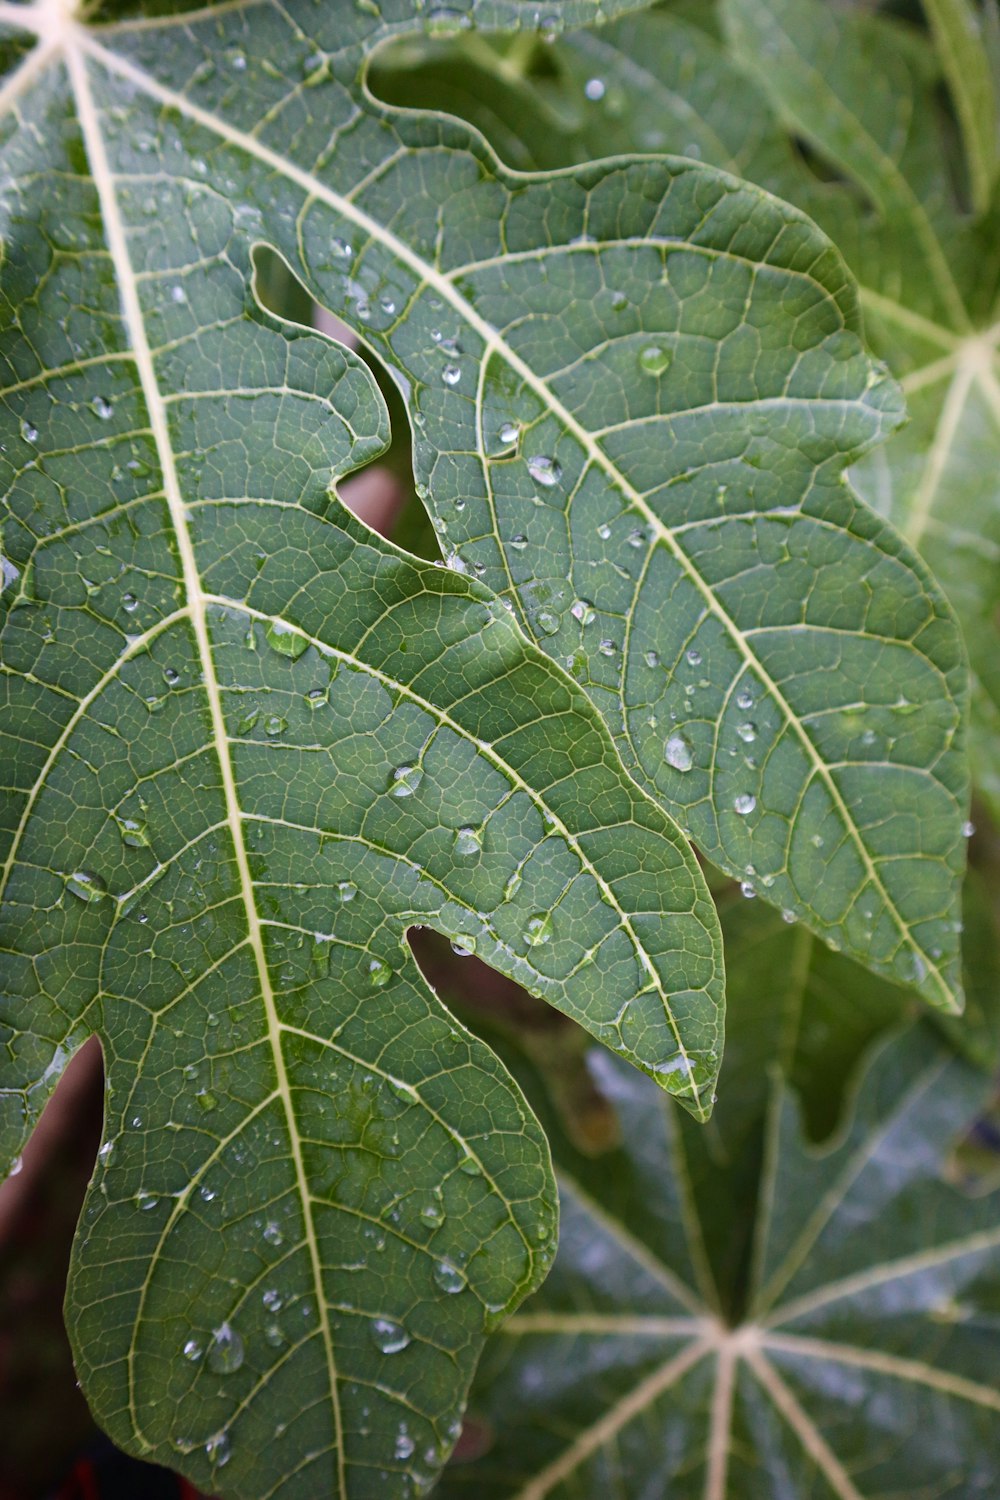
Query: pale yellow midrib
(495, 344)
(135, 326)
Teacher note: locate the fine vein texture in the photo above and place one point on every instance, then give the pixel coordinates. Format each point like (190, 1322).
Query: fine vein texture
(755, 731)
(863, 1366)
(246, 746)
(633, 388)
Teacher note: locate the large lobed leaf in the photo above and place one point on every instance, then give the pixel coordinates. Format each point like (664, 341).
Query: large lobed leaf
(751, 584)
(633, 389)
(863, 1365)
(246, 746)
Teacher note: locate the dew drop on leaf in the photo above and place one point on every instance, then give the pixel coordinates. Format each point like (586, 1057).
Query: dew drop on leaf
(544, 470)
(468, 842)
(102, 408)
(451, 374)
(405, 781)
(225, 1352)
(133, 833)
(272, 1234)
(583, 610)
(379, 973)
(192, 1350)
(217, 1449)
(286, 641)
(547, 621)
(346, 890)
(387, 1336)
(745, 804)
(448, 1277)
(519, 542)
(747, 732)
(677, 752)
(86, 886)
(538, 929)
(654, 359)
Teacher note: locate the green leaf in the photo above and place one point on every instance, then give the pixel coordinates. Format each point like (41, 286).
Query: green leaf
(863, 1366)
(248, 745)
(725, 473)
(959, 33)
(862, 92)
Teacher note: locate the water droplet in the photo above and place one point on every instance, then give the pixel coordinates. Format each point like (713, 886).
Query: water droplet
(192, 1350)
(787, 915)
(677, 752)
(86, 886)
(346, 890)
(608, 648)
(206, 1101)
(341, 248)
(594, 89)
(102, 408)
(513, 885)
(272, 1234)
(583, 610)
(468, 841)
(388, 1336)
(544, 470)
(747, 732)
(547, 622)
(519, 542)
(448, 1277)
(747, 890)
(744, 804)
(652, 659)
(379, 973)
(464, 945)
(29, 433)
(470, 1166)
(654, 359)
(133, 833)
(694, 657)
(509, 433)
(538, 929)
(968, 829)
(404, 1445)
(217, 1449)
(451, 374)
(273, 1300)
(129, 603)
(744, 699)
(405, 781)
(816, 840)
(225, 1352)
(171, 676)
(286, 641)
(432, 1213)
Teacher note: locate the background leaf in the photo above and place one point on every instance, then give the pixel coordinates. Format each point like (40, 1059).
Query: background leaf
(861, 1368)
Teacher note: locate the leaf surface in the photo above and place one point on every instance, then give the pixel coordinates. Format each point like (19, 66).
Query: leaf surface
(247, 745)
(753, 635)
(864, 1366)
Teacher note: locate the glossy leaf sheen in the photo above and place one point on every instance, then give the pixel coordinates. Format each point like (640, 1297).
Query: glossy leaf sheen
(245, 743)
(864, 1366)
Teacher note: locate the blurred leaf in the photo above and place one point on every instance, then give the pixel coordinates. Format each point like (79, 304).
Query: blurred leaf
(865, 1364)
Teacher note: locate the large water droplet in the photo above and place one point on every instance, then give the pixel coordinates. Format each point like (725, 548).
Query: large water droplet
(583, 610)
(346, 890)
(538, 929)
(654, 359)
(225, 1352)
(595, 89)
(272, 1300)
(677, 752)
(464, 945)
(217, 1449)
(468, 842)
(275, 725)
(272, 1234)
(747, 732)
(133, 833)
(192, 1350)
(102, 408)
(286, 641)
(405, 781)
(544, 470)
(28, 432)
(388, 1336)
(379, 973)
(745, 803)
(86, 886)
(448, 1277)
(744, 699)
(451, 374)
(547, 622)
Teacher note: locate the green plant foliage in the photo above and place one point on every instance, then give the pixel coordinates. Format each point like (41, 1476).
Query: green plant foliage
(633, 392)
(248, 744)
(860, 1364)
